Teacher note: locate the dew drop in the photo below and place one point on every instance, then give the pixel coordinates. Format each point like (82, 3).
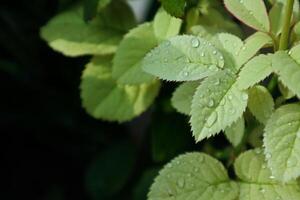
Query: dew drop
(170, 165)
(230, 97)
(290, 124)
(264, 167)
(243, 48)
(268, 156)
(241, 1)
(168, 43)
(292, 163)
(181, 183)
(189, 175)
(245, 97)
(217, 82)
(212, 119)
(195, 43)
(258, 151)
(202, 54)
(211, 103)
(222, 191)
(262, 190)
(185, 73)
(272, 177)
(251, 13)
(201, 159)
(214, 52)
(196, 169)
(278, 198)
(178, 162)
(232, 111)
(221, 58)
(165, 60)
(170, 192)
(222, 103)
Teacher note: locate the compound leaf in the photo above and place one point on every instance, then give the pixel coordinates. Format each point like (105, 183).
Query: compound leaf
(253, 13)
(257, 182)
(127, 68)
(235, 132)
(183, 58)
(183, 96)
(217, 103)
(256, 70)
(261, 103)
(193, 176)
(282, 142)
(69, 34)
(103, 98)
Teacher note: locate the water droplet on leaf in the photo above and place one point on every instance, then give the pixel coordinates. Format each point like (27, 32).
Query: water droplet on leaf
(195, 42)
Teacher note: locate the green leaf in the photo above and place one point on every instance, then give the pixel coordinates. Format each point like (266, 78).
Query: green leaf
(252, 45)
(216, 105)
(288, 69)
(235, 132)
(174, 7)
(69, 34)
(282, 142)
(256, 70)
(183, 96)
(103, 98)
(253, 13)
(295, 53)
(165, 26)
(237, 52)
(230, 46)
(277, 14)
(109, 171)
(261, 103)
(91, 7)
(193, 176)
(127, 62)
(183, 58)
(256, 181)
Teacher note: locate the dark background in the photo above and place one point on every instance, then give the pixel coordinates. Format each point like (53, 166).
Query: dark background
(53, 150)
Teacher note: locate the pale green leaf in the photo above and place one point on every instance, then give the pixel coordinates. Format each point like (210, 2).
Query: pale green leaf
(206, 32)
(257, 182)
(69, 34)
(193, 176)
(217, 104)
(165, 26)
(282, 142)
(252, 45)
(174, 7)
(183, 58)
(256, 70)
(183, 96)
(253, 13)
(288, 69)
(261, 103)
(127, 63)
(230, 46)
(295, 53)
(104, 99)
(235, 51)
(235, 132)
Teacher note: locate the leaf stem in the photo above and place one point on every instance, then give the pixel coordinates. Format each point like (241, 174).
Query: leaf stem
(284, 39)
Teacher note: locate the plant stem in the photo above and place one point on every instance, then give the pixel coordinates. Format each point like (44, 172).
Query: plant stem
(284, 39)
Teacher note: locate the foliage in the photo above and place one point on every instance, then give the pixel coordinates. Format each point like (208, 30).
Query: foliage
(228, 85)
